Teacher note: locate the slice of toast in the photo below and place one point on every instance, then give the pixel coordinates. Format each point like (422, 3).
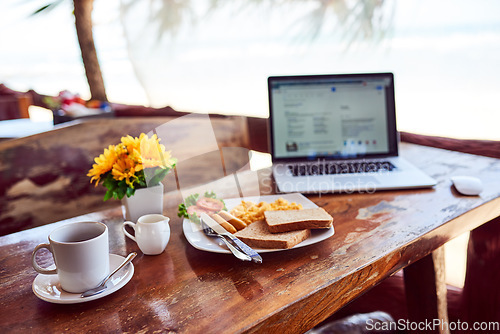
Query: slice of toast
(257, 235)
(292, 220)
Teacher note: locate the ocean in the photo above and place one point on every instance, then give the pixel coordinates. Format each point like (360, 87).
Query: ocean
(444, 55)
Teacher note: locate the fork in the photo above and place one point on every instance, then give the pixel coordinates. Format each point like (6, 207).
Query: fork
(211, 233)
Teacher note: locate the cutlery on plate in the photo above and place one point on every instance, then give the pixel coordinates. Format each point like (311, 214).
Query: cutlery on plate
(237, 253)
(102, 286)
(223, 234)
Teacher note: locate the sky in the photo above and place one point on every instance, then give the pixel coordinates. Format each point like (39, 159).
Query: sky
(444, 55)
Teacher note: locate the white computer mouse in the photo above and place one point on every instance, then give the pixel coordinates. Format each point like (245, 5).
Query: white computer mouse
(467, 185)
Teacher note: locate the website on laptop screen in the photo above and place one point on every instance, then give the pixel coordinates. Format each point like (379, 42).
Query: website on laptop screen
(329, 117)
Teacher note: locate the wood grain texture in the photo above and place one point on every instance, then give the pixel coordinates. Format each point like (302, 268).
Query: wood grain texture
(481, 295)
(185, 290)
(480, 299)
(425, 287)
(43, 177)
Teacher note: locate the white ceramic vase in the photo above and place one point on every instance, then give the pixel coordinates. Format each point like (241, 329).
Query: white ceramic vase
(144, 201)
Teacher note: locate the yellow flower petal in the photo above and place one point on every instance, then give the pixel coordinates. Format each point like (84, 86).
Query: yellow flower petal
(128, 158)
(103, 164)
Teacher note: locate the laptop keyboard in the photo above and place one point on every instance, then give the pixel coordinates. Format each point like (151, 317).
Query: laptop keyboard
(330, 168)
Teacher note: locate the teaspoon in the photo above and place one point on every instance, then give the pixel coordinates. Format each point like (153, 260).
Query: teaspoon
(102, 286)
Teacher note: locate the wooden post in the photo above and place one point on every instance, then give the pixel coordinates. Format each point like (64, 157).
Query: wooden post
(481, 296)
(425, 288)
(24, 102)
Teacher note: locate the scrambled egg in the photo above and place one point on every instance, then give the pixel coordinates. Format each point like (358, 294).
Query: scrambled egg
(250, 212)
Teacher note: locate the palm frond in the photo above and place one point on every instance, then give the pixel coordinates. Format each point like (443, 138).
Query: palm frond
(47, 8)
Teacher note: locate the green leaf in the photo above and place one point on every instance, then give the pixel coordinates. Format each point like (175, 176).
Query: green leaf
(108, 195)
(188, 201)
(47, 8)
(39, 10)
(109, 182)
(130, 191)
(140, 181)
(155, 175)
(120, 192)
(182, 211)
(194, 218)
(191, 199)
(210, 194)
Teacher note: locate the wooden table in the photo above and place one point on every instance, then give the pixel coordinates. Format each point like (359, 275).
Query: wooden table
(190, 291)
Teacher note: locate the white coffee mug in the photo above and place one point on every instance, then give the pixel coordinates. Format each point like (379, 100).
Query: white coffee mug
(152, 233)
(81, 255)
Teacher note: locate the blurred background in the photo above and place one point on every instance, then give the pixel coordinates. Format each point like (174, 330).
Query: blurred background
(215, 55)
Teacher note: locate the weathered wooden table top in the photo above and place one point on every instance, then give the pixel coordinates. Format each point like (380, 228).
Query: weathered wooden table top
(191, 291)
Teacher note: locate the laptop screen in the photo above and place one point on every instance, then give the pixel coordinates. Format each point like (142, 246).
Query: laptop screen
(332, 116)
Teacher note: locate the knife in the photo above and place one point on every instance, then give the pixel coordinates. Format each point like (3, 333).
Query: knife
(240, 244)
(236, 251)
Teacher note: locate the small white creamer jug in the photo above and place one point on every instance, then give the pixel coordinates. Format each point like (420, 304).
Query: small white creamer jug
(152, 233)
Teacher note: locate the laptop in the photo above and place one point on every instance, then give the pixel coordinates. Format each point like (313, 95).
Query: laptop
(337, 133)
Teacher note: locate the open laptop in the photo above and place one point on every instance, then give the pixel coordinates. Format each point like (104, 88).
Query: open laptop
(337, 133)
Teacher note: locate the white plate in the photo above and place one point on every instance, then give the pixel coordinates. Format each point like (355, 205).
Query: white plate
(47, 287)
(199, 240)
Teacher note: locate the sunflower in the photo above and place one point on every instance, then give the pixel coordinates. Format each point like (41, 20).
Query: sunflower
(126, 169)
(103, 164)
(121, 167)
(130, 143)
(153, 154)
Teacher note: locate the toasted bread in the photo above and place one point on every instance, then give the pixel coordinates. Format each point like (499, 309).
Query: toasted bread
(292, 220)
(257, 235)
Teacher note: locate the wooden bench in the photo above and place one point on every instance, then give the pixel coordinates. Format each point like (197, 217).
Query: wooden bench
(43, 178)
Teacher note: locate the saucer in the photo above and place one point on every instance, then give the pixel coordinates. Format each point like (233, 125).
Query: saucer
(47, 287)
